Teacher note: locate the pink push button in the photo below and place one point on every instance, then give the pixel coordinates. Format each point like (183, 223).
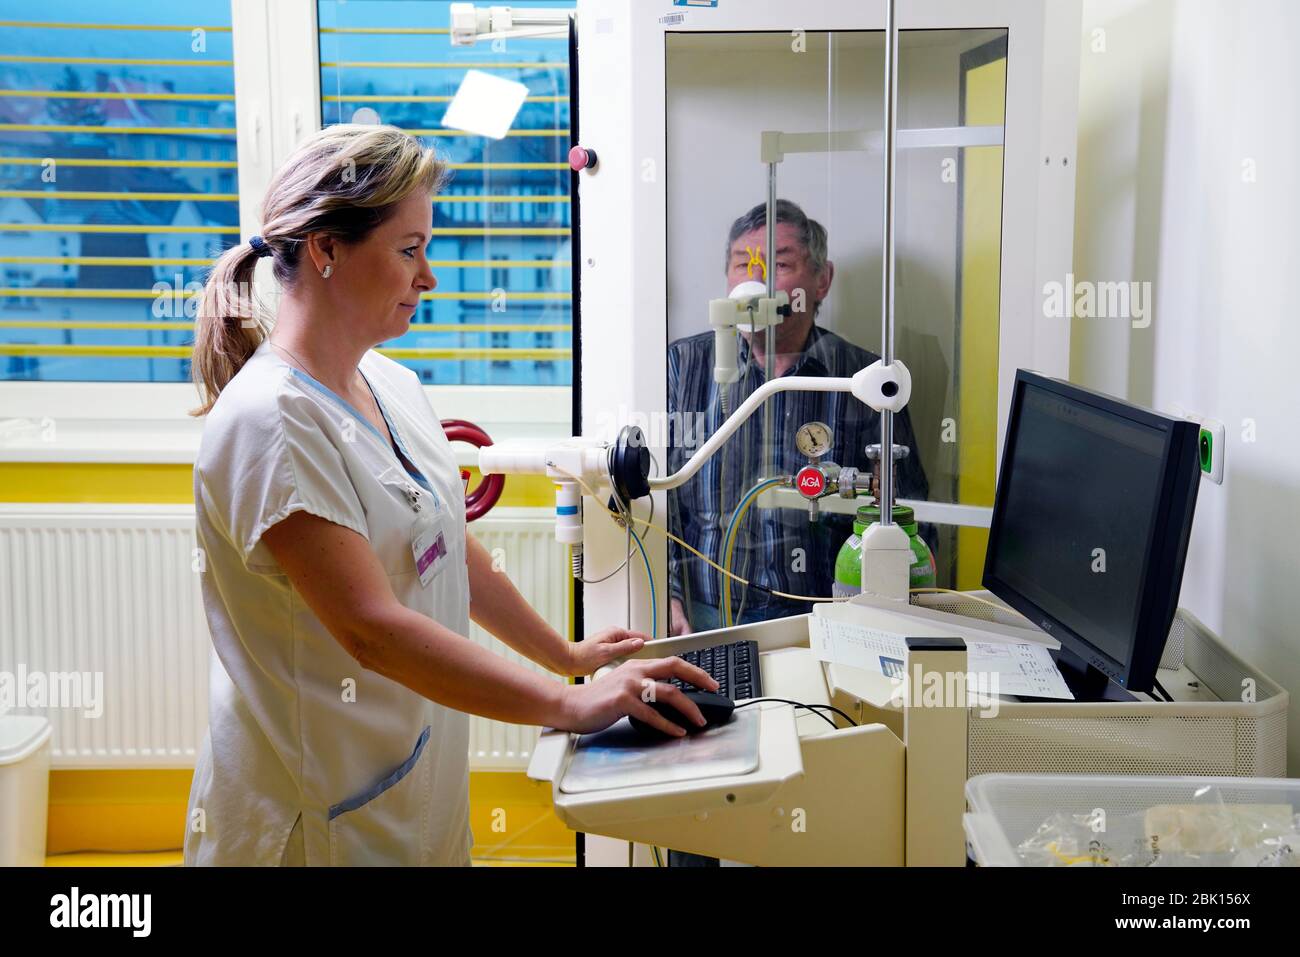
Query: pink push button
(581, 158)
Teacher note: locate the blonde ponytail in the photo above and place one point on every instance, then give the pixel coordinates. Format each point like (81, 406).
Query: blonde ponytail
(229, 325)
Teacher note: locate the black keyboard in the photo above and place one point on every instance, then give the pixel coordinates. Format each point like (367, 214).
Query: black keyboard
(734, 667)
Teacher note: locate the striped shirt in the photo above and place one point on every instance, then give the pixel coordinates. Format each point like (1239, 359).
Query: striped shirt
(777, 549)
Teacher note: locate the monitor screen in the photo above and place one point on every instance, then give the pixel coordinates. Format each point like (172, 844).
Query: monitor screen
(1081, 524)
(1078, 515)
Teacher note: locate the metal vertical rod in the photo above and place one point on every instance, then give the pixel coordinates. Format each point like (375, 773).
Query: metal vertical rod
(887, 257)
(769, 334)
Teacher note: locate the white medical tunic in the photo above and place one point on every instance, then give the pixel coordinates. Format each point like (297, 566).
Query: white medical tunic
(297, 729)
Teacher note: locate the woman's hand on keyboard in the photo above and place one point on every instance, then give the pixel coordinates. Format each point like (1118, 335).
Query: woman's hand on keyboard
(590, 655)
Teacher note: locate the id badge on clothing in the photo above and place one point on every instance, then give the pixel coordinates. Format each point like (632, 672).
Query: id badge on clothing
(429, 546)
(429, 540)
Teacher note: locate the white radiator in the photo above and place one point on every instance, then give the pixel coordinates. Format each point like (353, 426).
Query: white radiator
(101, 607)
(523, 542)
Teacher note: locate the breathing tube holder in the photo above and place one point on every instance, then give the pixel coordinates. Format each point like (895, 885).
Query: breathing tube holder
(629, 464)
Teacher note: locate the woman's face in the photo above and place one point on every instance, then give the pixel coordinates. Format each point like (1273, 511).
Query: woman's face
(378, 281)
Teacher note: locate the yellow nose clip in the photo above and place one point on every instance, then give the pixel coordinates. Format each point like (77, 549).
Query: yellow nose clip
(755, 259)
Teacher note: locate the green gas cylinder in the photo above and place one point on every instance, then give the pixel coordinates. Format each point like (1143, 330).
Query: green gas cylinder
(848, 563)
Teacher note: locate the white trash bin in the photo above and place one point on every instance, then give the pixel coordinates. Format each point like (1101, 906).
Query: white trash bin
(24, 790)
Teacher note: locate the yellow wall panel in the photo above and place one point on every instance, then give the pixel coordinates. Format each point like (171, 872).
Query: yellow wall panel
(94, 482)
(140, 812)
(980, 302)
(100, 483)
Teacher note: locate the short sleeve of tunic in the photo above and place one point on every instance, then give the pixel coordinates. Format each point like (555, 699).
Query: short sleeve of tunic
(269, 450)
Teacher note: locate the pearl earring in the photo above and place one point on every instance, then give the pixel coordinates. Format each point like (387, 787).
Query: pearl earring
(327, 271)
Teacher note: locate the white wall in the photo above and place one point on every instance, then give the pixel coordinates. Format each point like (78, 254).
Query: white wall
(1188, 101)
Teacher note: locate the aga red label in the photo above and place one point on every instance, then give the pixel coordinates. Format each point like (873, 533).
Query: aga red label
(810, 482)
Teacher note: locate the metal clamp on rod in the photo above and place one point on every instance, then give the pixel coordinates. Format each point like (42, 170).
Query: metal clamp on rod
(469, 23)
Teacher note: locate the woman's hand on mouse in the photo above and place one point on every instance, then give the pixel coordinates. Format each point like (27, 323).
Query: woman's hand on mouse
(630, 689)
(590, 655)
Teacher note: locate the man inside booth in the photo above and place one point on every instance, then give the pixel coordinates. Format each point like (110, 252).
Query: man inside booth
(777, 550)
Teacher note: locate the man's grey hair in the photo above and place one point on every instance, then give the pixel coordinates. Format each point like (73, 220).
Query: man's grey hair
(812, 234)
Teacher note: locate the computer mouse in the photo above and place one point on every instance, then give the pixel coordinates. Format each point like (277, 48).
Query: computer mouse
(716, 709)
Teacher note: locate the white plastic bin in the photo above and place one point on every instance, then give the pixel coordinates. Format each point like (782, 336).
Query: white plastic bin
(1135, 821)
(24, 790)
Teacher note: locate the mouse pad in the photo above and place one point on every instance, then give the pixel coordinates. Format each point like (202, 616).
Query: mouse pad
(618, 757)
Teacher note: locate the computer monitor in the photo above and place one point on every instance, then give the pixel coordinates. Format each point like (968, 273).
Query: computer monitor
(1090, 526)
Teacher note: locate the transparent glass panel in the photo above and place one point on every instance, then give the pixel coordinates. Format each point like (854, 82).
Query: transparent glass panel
(949, 244)
(723, 92)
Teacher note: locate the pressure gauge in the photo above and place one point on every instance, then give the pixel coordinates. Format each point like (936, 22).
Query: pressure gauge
(814, 439)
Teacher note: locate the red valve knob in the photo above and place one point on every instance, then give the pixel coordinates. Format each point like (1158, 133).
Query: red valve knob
(480, 501)
(810, 483)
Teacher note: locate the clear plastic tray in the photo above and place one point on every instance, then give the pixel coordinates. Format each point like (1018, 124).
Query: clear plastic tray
(1069, 820)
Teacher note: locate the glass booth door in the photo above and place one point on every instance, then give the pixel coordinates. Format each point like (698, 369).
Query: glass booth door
(723, 91)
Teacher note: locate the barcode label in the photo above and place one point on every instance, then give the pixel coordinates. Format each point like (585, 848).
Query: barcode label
(673, 19)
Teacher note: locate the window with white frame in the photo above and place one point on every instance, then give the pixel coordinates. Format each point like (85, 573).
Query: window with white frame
(505, 215)
(84, 306)
(109, 114)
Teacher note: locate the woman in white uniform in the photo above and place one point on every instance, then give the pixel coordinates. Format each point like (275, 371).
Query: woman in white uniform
(338, 579)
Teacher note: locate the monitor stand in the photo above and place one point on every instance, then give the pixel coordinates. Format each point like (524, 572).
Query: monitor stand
(1087, 683)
